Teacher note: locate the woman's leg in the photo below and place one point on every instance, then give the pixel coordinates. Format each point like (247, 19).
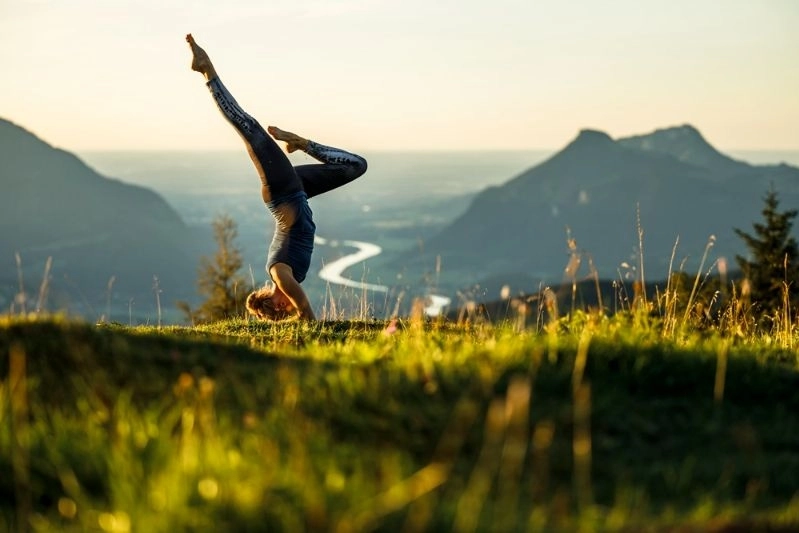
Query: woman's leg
(278, 177)
(274, 168)
(338, 167)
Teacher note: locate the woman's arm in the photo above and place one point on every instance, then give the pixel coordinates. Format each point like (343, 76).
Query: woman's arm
(283, 277)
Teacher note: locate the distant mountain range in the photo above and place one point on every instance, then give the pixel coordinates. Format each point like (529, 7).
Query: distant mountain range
(671, 183)
(95, 229)
(598, 191)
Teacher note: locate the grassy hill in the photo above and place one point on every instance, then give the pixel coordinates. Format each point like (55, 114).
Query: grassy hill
(591, 424)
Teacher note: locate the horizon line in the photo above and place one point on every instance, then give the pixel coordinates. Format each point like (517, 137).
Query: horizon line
(398, 150)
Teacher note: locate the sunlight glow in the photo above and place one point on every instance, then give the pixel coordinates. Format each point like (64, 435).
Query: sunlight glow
(391, 75)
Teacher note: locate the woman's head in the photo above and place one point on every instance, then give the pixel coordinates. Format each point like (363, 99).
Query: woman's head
(269, 303)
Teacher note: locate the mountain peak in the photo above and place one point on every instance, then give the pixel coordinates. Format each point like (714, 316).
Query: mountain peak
(684, 142)
(593, 136)
(686, 128)
(591, 140)
(685, 132)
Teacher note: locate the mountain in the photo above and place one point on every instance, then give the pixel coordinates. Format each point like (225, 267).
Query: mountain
(93, 227)
(672, 184)
(688, 145)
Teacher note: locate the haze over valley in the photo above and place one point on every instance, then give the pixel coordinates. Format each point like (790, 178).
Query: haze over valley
(448, 223)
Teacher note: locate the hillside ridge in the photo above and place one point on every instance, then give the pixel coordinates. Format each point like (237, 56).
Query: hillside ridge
(94, 228)
(671, 184)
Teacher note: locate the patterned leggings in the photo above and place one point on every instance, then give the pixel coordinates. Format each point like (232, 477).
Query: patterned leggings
(337, 167)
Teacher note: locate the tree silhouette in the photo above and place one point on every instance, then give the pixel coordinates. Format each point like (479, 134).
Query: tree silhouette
(773, 263)
(218, 277)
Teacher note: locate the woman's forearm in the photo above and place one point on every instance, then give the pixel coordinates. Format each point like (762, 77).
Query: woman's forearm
(284, 279)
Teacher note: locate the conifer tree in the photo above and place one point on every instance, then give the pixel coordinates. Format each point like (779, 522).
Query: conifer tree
(218, 277)
(773, 260)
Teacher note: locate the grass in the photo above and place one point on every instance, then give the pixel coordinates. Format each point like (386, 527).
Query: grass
(593, 424)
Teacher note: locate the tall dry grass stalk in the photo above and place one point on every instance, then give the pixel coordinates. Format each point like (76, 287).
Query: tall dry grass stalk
(581, 446)
(21, 298)
(594, 274)
(44, 287)
(396, 498)
(330, 308)
(20, 443)
(644, 301)
(670, 306)
(478, 486)
(689, 306)
(396, 310)
(157, 290)
(551, 305)
(20, 302)
(787, 321)
(416, 318)
(581, 439)
(543, 436)
(469, 310)
(514, 451)
(670, 296)
(446, 453)
(572, 267)
(108, 293)
(786, 325)
(721, 372)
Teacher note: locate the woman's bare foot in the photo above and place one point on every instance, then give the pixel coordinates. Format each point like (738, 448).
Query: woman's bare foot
(200, 61)
(293, 142)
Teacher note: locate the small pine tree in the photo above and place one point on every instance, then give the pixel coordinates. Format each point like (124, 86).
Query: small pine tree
(774, 258)
(218, 277)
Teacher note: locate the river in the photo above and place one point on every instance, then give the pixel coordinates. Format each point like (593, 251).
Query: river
(334, 272)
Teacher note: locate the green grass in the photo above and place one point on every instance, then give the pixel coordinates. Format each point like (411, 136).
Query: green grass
(593, 424)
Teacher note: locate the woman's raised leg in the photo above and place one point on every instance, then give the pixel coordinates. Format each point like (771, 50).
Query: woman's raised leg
(278, 177)
(338, 167)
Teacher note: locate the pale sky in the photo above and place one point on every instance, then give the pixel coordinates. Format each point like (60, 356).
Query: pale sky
(402, 74)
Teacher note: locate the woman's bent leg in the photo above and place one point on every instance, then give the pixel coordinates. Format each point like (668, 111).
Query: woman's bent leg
(338, 168)
(274, 168)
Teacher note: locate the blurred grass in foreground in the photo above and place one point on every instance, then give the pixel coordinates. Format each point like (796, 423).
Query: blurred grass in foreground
(593, 424)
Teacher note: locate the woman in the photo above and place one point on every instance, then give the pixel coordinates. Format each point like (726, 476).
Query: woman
(285, 190)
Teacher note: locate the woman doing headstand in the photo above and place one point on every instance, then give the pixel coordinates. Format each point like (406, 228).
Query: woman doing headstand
(285, 190)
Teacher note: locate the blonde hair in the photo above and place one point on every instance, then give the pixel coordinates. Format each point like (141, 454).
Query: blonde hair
(259, 304)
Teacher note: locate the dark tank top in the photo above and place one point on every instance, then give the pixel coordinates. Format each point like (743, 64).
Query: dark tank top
(292, 242)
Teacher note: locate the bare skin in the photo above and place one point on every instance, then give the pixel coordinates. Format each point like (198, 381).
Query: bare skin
(288, 295)
(287, 288)
(293, 141)
(201, 62)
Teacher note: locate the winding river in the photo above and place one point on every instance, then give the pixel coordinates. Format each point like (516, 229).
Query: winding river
(334, 272)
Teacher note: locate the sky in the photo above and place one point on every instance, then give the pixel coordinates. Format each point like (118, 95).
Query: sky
(402, 74)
